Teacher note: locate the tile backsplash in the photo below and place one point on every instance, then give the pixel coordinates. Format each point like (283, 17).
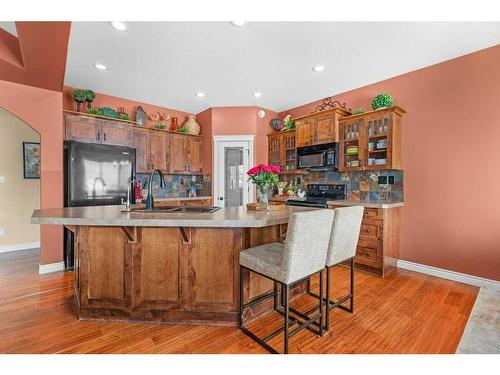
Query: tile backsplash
(362, 186)
(177, 186)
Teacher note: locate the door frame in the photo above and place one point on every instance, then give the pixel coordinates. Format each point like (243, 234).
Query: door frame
(217, 140)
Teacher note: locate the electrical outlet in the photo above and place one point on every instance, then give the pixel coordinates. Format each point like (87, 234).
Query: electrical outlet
(2, 232)
(2, 179)
(382, 180)
(391, 180)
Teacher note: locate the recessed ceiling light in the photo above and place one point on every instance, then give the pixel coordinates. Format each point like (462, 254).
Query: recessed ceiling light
(318, 68)
(237, 23)
(257, 94)
(100, 66)
(118, 25)
(200, 94)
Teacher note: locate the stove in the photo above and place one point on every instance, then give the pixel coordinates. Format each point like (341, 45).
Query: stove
(318, 194)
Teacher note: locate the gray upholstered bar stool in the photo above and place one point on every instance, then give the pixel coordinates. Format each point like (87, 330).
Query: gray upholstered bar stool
(342, 246)
(303, 254)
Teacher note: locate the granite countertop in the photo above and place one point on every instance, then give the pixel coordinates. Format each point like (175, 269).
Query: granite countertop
(367, 205)
(226, 217)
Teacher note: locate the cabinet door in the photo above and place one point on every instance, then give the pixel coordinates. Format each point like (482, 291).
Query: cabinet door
(213, 269)
(140, 140)
(352, 153)
(116, 133)
(177, 154)
(106, 260)
(303, 132)
(158, 150)
(159, 287)
(325, 130)
(82, 129)
(289, 153)
(378, 141)
(194, 155)
(275, 150)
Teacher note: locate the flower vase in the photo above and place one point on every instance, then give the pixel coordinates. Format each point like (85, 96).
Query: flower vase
(263, 198)
(192, 126)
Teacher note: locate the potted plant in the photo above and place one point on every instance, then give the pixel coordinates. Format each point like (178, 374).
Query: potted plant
(382, 101)
(79, 97)
(265, 177)
(89, 97)
(289, 124)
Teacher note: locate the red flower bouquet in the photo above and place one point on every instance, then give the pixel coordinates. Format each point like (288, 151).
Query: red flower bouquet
(265, 177)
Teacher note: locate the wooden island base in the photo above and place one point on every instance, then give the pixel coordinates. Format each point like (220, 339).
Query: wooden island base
(168, 274)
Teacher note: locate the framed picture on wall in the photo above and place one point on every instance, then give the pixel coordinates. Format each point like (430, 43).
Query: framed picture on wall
(31, 160)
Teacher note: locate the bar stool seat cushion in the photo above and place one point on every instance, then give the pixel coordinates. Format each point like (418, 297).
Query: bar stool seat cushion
(265, 259)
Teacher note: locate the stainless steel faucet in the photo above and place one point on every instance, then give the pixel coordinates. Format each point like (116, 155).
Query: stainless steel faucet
(149, 200)
(128, 202)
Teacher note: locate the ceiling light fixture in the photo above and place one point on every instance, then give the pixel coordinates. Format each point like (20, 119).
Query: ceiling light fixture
(237, 23)
(100, 66)
(318, 68)
(257, 94)
(200, 94)
(118, 25)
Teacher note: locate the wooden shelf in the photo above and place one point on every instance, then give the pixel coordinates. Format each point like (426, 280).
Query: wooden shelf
(294, 171)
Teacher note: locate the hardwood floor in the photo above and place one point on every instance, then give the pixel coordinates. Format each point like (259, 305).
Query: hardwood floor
(406, 312)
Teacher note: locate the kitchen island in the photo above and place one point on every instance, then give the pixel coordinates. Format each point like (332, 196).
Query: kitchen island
(167, 267)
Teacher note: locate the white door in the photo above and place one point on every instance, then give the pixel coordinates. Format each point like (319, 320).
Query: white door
(232, 161)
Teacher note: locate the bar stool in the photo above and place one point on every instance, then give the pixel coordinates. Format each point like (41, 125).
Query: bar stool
(303, 254)
(342, 246)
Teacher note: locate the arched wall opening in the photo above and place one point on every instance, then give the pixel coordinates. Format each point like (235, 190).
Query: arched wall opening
(42, 110)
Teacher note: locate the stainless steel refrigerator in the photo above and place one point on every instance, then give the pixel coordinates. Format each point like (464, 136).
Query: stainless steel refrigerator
(95, 175)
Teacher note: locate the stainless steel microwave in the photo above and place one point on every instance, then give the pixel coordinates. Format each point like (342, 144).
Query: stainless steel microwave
(319, 157)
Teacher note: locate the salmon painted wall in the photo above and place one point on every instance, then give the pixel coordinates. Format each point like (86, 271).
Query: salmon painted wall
(451, 158)
(114, 102)
(42, 110)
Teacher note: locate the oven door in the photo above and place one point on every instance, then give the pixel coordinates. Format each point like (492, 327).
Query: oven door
(311, 160)
(305, 203)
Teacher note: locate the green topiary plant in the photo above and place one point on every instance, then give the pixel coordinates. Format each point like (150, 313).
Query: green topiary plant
(382, 101)
(182, 130)
(124, 116)
(358, 111)
(79, 97)
(93, 111)
(89, 97)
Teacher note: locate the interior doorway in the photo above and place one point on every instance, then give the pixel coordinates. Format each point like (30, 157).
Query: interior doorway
(233, 157)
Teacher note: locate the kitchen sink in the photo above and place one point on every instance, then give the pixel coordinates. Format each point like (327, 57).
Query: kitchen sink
(177, 209)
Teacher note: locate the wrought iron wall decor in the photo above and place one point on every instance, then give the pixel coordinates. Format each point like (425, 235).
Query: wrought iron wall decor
(328, 103)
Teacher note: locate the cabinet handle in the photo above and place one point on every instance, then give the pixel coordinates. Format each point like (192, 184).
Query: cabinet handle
(98, 136)
(104, 136)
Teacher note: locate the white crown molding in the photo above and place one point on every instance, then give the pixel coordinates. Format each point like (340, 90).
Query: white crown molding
(19, 246)
(450, 275)
(51, 267)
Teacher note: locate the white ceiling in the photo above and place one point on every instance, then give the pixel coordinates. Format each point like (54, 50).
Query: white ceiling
(9, 27)
(166, 63)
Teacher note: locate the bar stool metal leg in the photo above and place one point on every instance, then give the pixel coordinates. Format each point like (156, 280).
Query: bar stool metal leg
(287, 313)
(241, 298)
(327, 309)
(351, 304)
(321, 304)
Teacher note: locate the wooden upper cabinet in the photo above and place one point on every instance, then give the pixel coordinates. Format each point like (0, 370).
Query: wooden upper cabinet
(282, 150)
(371, 140)
(116, 133)
(304, 132)
(158, 142)
(194, 155)
(177, 154)
(275, 149)
(140, 141)
(325, 130)
(82, 129)
(319, 127)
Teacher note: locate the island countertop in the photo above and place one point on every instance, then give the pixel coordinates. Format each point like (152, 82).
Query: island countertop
(226, 217)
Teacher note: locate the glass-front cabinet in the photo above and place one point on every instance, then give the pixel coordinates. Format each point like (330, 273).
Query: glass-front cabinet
(282, 151)
(371, 140)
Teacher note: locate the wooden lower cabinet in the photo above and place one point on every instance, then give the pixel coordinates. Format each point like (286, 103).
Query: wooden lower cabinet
(181, 275)
(378, 244)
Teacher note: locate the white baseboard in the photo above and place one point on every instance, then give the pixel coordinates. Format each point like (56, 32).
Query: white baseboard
(450, 275)
(51, 267)
(19, 246)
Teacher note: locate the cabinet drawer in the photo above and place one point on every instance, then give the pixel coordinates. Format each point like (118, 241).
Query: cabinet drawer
(366, 256)
(369, 242)
(373, 213)
(371, 230)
